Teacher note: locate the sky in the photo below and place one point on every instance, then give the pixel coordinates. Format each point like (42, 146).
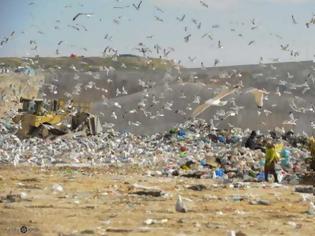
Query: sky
(235, 23)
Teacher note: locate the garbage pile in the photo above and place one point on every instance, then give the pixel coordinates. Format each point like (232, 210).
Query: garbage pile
(193, 149)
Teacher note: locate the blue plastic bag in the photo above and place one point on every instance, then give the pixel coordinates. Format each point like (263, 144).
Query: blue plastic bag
(221, 139)
(181, 132)
(219, 172)
(261, 176)
(285, 153)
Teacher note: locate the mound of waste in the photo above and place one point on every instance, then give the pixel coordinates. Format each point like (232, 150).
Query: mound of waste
(192, 149)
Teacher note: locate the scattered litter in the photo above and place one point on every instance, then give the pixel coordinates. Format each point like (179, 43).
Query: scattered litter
(180, 206)
(57, 188)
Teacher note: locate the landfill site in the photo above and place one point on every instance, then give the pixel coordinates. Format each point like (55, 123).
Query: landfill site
(127, 178)
(138, 143)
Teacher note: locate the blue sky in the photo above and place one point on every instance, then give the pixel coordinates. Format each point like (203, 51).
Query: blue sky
(47, 22)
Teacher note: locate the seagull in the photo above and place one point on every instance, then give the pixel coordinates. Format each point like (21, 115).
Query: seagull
(181, 19)
(158, 19)
(251, 42)
(187, 38)
(278, 92)
(74, 27)
(82, 14)
(191, 59)
(207, 35)
(259, 96)
(116, 104)
(121, 7)
(196, 100)
(293, 19)
(204, 4)
(284, 48)
(292, 120)
(159, 9)
(124, 91)
(114, 115)
(180, 206)
(216, 62)
(219, 44)
(216, 101)
(137, 7)
(117, 92)
(290, 76)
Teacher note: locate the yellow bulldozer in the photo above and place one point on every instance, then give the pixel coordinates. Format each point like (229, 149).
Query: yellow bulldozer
(55, 117)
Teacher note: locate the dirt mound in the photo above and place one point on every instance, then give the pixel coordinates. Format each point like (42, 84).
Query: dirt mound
(13, 86)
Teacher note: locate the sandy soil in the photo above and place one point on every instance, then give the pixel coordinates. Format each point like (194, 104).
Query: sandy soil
(100, 202)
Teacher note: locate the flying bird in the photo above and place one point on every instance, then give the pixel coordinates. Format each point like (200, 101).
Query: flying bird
(251, 42)
(137, 7)
(284, 47)
(121, 7)
(191, 59)
(158, 19)
(181, 19)
(291, 121)
(82, 14)
(159, 9)
(216, 101)
(204, 4)
(187, 38)
(216, 62)
(219, 44)
(259, 96)
(293, 19)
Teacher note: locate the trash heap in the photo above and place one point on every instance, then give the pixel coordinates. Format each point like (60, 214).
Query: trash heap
(193, 149)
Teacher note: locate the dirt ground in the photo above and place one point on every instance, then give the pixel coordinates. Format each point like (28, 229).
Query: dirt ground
(100, 202)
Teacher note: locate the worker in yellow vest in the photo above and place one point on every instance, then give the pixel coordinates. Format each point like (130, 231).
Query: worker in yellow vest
(271, 158)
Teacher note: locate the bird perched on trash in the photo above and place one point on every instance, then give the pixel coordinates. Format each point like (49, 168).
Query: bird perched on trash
(216, 101)
(180, 206)
(259, 96)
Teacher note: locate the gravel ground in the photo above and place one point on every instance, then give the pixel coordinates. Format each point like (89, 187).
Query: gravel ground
(102, 201)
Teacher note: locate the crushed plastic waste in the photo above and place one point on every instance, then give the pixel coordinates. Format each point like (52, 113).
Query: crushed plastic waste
(192, 150)
(57, 188)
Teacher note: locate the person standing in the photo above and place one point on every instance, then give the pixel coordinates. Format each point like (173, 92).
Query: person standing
(311, 147)
(271, 158)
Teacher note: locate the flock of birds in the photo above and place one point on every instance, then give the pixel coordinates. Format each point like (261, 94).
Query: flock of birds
(259, 95)
(160, 15)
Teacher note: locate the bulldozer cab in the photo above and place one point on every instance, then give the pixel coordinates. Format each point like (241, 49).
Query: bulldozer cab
(31, 106)
(39, 107)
